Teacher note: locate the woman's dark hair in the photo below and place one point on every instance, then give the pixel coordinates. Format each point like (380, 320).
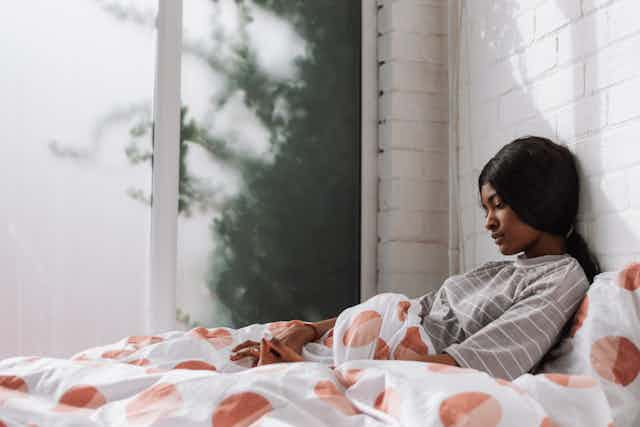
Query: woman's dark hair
(538, 179)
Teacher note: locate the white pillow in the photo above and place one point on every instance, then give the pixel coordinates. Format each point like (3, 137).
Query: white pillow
(604, 342)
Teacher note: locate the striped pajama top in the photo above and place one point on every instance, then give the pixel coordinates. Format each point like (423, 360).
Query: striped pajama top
(503, 317)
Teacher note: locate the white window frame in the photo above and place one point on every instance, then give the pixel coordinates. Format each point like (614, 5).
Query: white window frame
(160, 291)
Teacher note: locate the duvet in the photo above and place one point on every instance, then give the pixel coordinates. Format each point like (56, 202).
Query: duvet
(358, 374)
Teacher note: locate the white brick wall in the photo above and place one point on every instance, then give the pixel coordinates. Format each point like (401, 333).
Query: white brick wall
(413, 145)
(569, 70)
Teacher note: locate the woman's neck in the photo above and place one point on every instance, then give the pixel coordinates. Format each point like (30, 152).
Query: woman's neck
(546, 244)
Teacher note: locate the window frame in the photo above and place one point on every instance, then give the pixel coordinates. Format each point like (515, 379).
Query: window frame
(160, 291)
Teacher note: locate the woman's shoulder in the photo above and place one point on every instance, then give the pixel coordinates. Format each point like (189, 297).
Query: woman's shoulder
(562, 278)
(490, 267)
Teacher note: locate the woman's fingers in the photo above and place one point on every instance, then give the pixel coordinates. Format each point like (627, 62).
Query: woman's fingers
(246, 352)
(286, 353)
(267, 354)
(247, 343)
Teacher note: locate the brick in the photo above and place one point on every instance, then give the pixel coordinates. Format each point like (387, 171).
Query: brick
(623, 101)
(562, 87)
(544, 126)
(435, 165)
(613, 64)
(540, 57)
(617, 234)
(414, 106)
(435, 227)
(496, 80)
(414, 195)
(509, 31)
(623, 18)
(401, 164)
(413, 76)
(398, 45)
(413, 257)
(608, 152)
(559, 88)
(516, 106)
(400, 225)
(584, 37)
(412, 17)
(633, 183)
(413, 134)
(610, 193)
(585, 115)
(552, 15)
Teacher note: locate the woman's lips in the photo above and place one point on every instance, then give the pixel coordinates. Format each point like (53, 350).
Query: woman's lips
(498, 238)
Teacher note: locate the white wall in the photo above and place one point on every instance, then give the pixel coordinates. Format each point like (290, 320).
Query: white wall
(568, 70)
(413, 146)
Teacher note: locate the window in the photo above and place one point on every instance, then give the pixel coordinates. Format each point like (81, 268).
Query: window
(256, 166)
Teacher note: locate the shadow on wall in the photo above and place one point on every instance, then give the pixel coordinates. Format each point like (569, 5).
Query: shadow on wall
(523, 72)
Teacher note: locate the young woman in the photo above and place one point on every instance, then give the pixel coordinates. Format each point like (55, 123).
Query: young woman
(504, 316)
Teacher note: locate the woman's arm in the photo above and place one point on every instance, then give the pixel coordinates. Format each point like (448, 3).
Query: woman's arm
(322, 326)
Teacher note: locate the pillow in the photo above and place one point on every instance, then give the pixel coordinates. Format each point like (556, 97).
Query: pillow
(604, 342)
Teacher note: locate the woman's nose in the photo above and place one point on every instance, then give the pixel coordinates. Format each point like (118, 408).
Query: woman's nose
(491, 222)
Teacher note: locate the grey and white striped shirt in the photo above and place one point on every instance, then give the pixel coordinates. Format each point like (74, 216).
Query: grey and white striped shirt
(503, 317)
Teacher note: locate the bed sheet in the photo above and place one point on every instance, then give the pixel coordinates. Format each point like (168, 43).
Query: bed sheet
(353, 376)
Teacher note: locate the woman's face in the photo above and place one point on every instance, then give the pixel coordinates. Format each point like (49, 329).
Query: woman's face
(508, 231)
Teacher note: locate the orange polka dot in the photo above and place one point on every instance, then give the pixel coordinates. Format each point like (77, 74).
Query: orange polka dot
(158, 401)
(14, 383)
(117, 354)
(389, 401)
(616, 359)
(546, 422)
(364, 329)
(571, 381)
(329, 393)
(580, 316)
(412, 347)
(142, 341)
(328, 341)
(80, 397)
(196, 365)
(240, 410)
(382, 351)
(629, 278)
(2, 424)
(218, 337)
(349, 377)
(402, 310)
(470, 409)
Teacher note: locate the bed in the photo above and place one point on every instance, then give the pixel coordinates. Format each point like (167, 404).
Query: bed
(352, 376)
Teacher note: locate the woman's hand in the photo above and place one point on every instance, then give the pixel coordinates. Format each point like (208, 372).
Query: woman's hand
(287, 341)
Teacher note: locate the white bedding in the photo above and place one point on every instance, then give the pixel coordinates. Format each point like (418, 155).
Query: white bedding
(187, 379)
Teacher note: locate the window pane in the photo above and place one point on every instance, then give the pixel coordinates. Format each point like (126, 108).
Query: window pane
(269, 183)
(76, 83)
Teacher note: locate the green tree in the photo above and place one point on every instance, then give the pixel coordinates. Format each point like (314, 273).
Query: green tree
(288, 243)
